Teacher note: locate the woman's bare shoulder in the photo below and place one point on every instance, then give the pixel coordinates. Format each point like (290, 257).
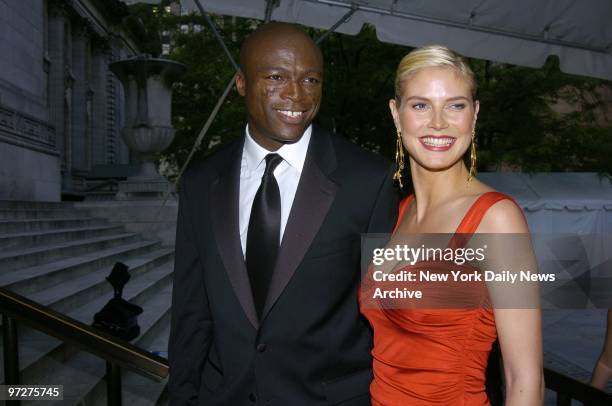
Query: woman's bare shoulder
(504, 216)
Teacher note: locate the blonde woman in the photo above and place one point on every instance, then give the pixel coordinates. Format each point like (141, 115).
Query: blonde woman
(439, 357)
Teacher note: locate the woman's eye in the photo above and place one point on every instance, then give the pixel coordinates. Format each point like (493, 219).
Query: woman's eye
(419, 106)
(457, 106)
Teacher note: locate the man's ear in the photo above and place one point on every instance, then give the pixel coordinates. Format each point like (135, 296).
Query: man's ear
(240, 83)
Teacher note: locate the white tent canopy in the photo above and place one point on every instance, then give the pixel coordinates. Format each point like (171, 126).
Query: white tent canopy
(576, 203)
(521, 32)
(570, 220)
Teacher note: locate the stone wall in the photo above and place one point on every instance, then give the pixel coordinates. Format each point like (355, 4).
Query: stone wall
(26, 174)
(58, 100)
(29, 166)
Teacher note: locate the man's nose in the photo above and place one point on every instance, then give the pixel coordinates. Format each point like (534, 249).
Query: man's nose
(292, 90)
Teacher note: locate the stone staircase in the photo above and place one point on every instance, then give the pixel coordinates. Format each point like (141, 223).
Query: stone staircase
(59, 256)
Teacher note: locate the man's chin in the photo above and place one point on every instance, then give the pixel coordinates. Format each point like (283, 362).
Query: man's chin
(286, 141)
(290, 137)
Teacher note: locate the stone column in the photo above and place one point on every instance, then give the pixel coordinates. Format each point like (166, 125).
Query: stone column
(113, 95)
(67, 181)
(67, 150)
(80, 142)
(58, 13)
(124, 155)
(100, 61)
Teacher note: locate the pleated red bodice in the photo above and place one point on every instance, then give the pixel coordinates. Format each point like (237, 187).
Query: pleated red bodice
(434, 356)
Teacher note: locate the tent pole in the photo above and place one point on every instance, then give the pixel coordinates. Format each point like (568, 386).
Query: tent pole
(217, 107)
(341, 21)
(216, 33)
(270, 5)
(204, 129)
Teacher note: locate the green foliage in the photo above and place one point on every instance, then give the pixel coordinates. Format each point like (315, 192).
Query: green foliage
(517, 125)
(208, 73)
(143, 23)
(359, 75)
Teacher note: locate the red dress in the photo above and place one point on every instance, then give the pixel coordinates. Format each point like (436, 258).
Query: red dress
(433, 356)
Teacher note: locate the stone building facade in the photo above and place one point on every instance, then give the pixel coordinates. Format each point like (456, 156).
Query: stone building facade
(60, 106)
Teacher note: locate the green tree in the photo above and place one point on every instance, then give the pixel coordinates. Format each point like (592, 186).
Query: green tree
(208, 73)
(518, 124)
(358, 83)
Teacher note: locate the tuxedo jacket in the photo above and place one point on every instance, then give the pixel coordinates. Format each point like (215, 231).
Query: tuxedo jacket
(311, 346)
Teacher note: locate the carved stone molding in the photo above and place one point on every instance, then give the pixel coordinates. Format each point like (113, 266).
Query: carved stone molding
(26, 128)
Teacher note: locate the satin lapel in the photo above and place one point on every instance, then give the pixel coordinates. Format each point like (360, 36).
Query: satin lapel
(315, 195)
(224, 201)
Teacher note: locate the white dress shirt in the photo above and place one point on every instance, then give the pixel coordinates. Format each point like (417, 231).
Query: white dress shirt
(287, 175)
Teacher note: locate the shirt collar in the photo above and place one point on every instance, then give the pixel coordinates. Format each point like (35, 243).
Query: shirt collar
(294, 154)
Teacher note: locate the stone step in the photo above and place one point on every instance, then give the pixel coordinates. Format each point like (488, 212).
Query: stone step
(82, 373)
(59, 255)
(35, 224)
(40, 353)
(15, 259)
(30, 239)
(27, 281)
(6, 214)
(94, 284)
(17, 204)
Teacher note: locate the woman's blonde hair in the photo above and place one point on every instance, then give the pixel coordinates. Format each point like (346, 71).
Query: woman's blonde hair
(432, 56)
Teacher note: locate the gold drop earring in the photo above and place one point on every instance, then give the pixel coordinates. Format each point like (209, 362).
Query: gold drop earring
(472, 172)
(399, 159)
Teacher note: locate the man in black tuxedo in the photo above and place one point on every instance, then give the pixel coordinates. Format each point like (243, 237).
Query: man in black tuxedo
(264, 306)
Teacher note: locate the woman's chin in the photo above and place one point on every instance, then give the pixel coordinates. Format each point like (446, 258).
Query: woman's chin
(437, 166)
